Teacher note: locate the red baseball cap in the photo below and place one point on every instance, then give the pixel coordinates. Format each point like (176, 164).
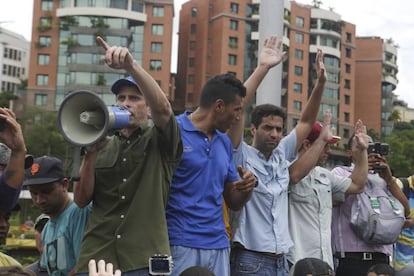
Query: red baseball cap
(316, 130)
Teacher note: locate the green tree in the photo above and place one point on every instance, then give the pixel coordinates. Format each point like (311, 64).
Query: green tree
(401, 144)
(6, 97)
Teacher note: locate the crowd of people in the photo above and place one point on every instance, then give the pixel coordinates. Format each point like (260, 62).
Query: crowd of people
(155, 197)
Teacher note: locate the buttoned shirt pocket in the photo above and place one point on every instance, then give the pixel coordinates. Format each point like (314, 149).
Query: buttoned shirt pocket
(260, 172)
(302, 192)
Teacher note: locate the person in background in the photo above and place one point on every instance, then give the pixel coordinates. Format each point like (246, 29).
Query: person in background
(311, 267)
(403, 258)
(314, 188)
(381, 270)
(62, 235)
(6, 260)
(128, 175)
(39, 224)
(260, 229)
(354, 255)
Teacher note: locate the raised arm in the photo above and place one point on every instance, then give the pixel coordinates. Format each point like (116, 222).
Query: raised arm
(310, 113)
(12, 136)
(308, 158)
(120, 58)
(270, 56)
(359, 152)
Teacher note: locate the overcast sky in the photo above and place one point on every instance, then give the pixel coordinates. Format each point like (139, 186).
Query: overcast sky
(383, 18)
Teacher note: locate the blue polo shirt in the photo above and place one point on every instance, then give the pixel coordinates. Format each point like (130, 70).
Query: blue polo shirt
(194, 210)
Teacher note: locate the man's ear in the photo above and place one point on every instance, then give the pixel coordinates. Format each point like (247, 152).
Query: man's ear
(252, 130)
(219, 106)
(149, 112)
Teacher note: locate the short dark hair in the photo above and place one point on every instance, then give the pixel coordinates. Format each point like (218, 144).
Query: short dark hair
(384, 269)
(265, 110)
(15, 271)
(223, 86)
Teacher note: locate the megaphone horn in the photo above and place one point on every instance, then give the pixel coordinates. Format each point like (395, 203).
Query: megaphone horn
(84, 119)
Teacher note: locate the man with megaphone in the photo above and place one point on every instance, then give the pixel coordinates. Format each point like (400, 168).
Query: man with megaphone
(127, 176)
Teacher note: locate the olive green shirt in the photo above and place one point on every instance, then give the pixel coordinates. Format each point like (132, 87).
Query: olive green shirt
(132, 182)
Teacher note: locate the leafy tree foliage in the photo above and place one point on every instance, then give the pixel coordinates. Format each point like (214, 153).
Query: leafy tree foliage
(5, 98)
(400, 158)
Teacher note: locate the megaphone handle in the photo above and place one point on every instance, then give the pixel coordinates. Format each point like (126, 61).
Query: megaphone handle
(76, 163)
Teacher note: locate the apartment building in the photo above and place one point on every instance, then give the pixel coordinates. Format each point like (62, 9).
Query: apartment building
(219, 36)
(65, 56)
(14, 61)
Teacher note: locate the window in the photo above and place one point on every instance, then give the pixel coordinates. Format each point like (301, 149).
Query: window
(190, 79)
(347, 84)
(346, 116)
(298, 70)
(157, 29)
(346, 133)
(298, 54)
(233, 42)
(44, 41)
(157, 11)
(234, 25)
(348, 37)
(155, 65)
(234, 7)
(192, 45)
(297, 87)
(232, 60)
(41, 99)
(347, 68)
(42, 79)
(47, 5)
(156, 47)
(191, 62)
(348, 52)
(300, 22)
(193, 12)
(314, 23)
(136, 5)
(299, 38)
(297, 105)
(332, 77)
(313, 40)
(347, 99)
(43, 59)
(193, 28)
(331, 93)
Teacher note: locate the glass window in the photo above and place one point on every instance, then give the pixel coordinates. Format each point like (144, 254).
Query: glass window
(348, 52)
(297, 87)
(43, 59)
(348, 37)
(234, 25)
(346, 133)
(330, 93)
(347, 99)
(42, 79)
(346, 116)
(347, 68)
(47, 5)
(157, 11)
(233, 42)
(297, 105)
(155, 65)
(347, 84)
(137, 6)
(298, 70)
(298, 54)
(332, 77)
(118, 4)
(193, 12)
(41, 99)
(156, 47)
(44, 41)
(192, 45)
(191, 62)
(234, 7)
(190, 79)
(300, 22)
(314, 23)
(232, 60)
(299, 38)
(193, 28)
(157, 29)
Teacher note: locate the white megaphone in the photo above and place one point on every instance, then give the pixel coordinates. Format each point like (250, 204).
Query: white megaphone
(84, 119)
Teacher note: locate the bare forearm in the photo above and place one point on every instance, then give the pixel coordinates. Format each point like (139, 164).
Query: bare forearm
(84, 188)
(156, 99)
(14, 172)
(237, 200)
(360, 173)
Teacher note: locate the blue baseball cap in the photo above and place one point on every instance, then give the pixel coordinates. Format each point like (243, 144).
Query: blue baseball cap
(44, 170)
(129, 81)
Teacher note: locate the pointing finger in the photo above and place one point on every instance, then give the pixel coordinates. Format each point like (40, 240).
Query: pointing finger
(102, 42)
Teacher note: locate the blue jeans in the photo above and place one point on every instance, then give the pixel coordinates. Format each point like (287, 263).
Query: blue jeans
(138, 272)
(244, 262)
(216, 260)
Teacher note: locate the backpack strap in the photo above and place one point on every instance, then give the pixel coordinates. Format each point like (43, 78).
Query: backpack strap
(406, 186)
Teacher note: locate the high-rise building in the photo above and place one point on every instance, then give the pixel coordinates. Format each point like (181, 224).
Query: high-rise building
(14, 61)
(376, 66)
(65, 56)
(219, 36)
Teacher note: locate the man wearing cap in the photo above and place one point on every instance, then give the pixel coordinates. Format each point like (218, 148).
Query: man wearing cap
(128, 175)
(313, 189)
(12, 159)
(62, 235)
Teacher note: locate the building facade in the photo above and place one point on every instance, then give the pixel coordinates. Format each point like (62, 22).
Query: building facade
(219, 36)
(65, 56)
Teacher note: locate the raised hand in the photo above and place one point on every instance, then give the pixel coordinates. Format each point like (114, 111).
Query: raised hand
(103, 270)
(320, 66)
(12, 134)
(271, 54)
(361, 137)
(327, 131)
(115, 56)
